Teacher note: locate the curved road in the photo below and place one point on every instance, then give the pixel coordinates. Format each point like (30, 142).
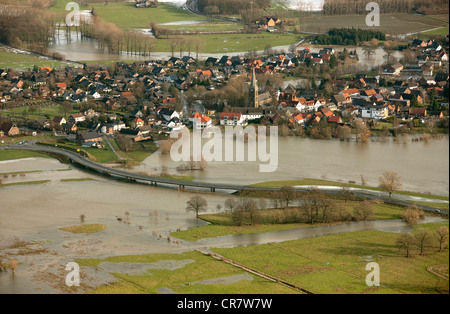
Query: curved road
(213, 187)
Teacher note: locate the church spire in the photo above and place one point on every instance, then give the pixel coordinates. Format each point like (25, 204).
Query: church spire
(253, 92)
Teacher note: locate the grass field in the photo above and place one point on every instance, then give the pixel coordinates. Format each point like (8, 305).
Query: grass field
(389, 23)
(24, 183)
(200, 274)
(126, 16)
(322, 266)
(46, 113)
(23, 62)
(316, 264)
(19, 154)
(318, 182)
(222, 224)
(90, 228)
(101, 155)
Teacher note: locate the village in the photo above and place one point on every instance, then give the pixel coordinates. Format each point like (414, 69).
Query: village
(151, 98)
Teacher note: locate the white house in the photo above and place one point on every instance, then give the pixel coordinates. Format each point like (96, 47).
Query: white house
(200, 121)
(229, 118)
(374, 112)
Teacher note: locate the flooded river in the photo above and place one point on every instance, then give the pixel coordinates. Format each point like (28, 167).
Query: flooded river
(423, 166)
(138, 220)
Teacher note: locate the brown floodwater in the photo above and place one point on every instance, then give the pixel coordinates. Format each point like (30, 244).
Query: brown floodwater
(139, 218)
(422, 166)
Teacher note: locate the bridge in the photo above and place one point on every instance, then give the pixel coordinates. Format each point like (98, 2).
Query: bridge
(183, 185)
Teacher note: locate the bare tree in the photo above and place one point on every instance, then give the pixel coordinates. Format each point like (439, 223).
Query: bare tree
(13, 264)
(390, 181)
(442, 236)
(196, 204)
(249, 206)
(363, 180)
(230, 204)
(406, 243)
(412, 214)
(288, 194)
(124, 142)
(364, 211)
(347, 194)
(423, 241)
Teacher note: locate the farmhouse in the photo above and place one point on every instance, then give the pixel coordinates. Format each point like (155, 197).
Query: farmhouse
(76, 118)
(9, 129)
(89, 138)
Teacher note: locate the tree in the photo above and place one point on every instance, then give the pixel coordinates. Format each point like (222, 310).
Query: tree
(390, 181)
(230, 204)
(412, 214)
(13, 265)
(364, 211)
(423, 241)
(442, 236)
(346, 193)
(363, 179)
(249, 206)
(288, 194)
(196, 204)
(406, 243)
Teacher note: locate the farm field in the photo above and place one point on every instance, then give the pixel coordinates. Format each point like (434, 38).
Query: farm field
(189, 272)
(389, 23)
(222, 224)
(320, 266)
(314, 264)
(23, 62)
(126, 16)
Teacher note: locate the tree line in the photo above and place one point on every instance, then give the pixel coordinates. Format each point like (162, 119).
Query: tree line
(348, 36)
(26, 27)
(211, 7)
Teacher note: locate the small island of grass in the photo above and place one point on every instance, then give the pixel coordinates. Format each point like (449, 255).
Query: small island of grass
(91, 228)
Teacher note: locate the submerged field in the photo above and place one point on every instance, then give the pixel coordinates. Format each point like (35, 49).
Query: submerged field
(315, 264)
(321, 266)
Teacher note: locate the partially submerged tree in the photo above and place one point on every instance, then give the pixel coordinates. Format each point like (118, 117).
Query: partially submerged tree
(196, 204)
(412, 214)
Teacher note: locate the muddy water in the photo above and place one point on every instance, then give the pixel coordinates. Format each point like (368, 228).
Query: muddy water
(147, 215)
(423, 166)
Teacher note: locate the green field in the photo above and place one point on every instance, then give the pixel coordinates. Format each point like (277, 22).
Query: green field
(318, 182)
(316, 264)
(19, 154)
(222, 223)
(126, 16)
(401, 23)
(101, 155)
(90, 228)
(40, 113)
(321, 266)
(200, 274)
(23, 62)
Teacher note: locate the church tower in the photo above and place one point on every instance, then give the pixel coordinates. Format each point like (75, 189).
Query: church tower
(253, 91)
